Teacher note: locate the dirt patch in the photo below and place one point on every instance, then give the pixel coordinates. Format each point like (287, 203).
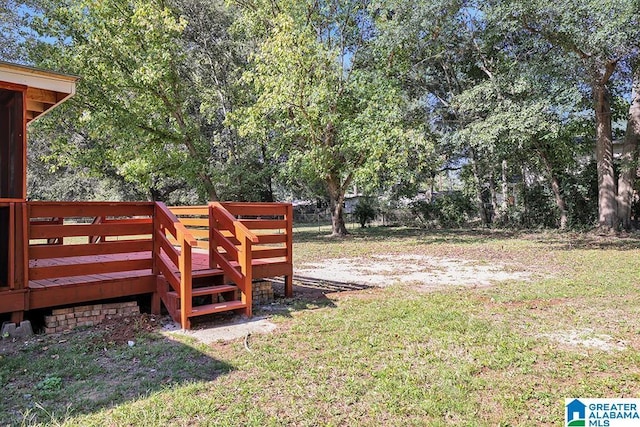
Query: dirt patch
(428, 271)
(587, 338)
(115, 331)
(122, 330)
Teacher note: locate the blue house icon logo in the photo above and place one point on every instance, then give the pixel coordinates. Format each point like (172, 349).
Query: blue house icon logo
(576, 414)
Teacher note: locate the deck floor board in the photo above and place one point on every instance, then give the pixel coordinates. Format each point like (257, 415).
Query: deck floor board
(199, 262)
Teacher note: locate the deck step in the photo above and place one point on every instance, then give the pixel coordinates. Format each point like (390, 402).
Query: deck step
(210, 272)
(207, 290)
(201, 310)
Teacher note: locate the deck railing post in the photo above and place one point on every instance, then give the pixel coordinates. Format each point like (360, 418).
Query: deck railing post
(156, 305)
(11, 259)
(155, 252)
(245, 260)
(288, 279)
(213, 242)
(185, 280)
(22, 258)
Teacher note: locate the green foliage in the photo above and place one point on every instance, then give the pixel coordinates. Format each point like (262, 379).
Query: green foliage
(50, 383)
(10, 32)
(365, 211)
(50, 386)
(594, 46)
(321, 99)
(189, 100)
(446, 210)
(581, 190)
(538, 208)
(127, 56)
(157, 81)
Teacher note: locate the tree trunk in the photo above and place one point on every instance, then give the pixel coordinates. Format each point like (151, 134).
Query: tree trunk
(336, 198)
(505, 188)
(338, 227)
(629, 157)
(562, 206)
(209, 187)
(525, 201)
(484, 215)
(494, 194)
(555, 187)
(213, 195)
(607, 217)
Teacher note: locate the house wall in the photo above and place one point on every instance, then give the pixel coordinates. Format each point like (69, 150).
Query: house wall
(12, 170)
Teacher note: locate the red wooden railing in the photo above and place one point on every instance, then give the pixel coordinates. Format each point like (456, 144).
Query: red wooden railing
(270, 222)
(49, 221)
(58, 249)
(196, 220)
(235, 258)
(273, 224)
(174, 264)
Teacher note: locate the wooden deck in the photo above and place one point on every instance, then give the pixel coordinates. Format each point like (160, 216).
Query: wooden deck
(200, 262)
(64, 290)
(81, 252)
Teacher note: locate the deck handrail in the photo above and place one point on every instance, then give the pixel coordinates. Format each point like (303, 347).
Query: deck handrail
(220, 218)
(277, 209)
(167, 221)
(239, 227)
(51, 256)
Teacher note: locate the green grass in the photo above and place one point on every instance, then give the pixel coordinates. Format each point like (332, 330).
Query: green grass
(393, 356)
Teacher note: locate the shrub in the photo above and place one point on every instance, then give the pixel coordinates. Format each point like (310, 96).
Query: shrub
(449, 210)
(364, 212)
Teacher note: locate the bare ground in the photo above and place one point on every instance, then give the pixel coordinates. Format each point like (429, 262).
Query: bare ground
(427, 271)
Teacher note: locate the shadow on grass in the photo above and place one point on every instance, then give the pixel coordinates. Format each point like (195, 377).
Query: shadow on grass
(326, 286)
(590, 241)
(554, 239)
(50, 378)
(309, 292)
(430, 236)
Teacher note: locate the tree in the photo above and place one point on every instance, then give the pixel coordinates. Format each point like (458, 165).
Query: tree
(47, 180)
(10, 32)
(434, 48)
(365, 212)
(629, 161)
(322, 96)
(157, 84)
(597, 41)
(523, 117)
(216, 57)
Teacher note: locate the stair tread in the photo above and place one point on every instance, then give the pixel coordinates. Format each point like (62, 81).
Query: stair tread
(216, 308)
(210, 272)
(207, 290)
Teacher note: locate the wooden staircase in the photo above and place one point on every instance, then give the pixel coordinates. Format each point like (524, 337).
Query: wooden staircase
(226, 285)
(209, 295)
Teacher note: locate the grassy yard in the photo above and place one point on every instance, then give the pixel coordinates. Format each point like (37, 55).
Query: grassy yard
(507, 354)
